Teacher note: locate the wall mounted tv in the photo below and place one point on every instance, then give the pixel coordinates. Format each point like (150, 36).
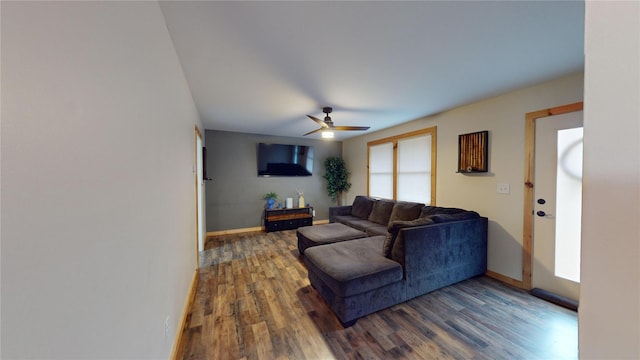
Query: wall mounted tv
(284, 160)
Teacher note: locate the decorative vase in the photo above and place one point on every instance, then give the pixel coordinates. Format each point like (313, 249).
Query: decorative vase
(270, 203)
(301, 201)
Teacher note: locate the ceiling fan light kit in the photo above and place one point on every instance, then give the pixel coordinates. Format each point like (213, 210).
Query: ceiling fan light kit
(327, 134)
(327, 127)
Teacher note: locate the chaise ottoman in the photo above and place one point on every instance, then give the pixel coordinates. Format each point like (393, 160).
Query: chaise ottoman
(326, 234)
(355, 278)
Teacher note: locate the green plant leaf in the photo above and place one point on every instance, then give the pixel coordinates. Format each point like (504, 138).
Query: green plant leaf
(337, 177)
(270, 195)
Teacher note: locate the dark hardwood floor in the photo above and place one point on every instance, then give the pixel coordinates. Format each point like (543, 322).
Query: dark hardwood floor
(254, 301)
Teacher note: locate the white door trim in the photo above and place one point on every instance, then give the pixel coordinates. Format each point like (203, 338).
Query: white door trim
(197, 159)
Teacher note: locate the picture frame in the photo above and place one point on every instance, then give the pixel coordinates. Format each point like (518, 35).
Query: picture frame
(473, 152)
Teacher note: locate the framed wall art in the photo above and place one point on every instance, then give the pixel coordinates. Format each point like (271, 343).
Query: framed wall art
(473, 152)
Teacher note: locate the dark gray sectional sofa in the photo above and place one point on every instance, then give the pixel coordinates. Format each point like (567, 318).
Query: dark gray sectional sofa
(411, 250)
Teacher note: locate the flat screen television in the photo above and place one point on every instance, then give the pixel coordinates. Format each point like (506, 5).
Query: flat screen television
(285, 160)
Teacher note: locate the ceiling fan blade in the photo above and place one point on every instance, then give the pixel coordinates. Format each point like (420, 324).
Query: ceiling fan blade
(314, 131)
(320, 122)
(357, 128)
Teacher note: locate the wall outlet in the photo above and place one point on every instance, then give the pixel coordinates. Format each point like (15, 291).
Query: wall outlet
(503, 189)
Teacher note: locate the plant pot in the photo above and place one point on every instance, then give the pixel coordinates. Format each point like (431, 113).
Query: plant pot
(270, 203)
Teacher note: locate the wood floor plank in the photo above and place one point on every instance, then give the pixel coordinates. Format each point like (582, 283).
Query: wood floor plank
(264, 350)
(378, 332)
(254, 301)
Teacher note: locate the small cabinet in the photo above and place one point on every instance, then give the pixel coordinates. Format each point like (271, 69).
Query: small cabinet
(287, 219)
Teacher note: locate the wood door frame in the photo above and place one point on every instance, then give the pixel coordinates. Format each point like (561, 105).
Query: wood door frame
(529, 173)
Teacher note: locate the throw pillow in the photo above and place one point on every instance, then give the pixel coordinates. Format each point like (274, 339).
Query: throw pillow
(381, 211)
(388, 243)
(404, 211)
(394, 236)
(362, 206)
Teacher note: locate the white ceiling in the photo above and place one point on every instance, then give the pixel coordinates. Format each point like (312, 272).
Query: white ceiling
(261, 67)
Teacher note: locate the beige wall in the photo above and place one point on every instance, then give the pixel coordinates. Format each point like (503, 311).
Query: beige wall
(503, 116)
(98, 202)
(609, 322)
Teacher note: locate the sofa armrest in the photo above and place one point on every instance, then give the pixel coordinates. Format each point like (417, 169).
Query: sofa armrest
(439, 255)
(338, 211)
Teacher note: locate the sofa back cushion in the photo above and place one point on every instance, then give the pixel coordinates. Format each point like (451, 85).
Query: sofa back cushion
(463, 215)
(362, 206)
(433, 210)
(393, 247)
(403, 211)
(381, 211)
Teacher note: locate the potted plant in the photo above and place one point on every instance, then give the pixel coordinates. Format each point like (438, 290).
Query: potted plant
(336, 175)
(271, 199)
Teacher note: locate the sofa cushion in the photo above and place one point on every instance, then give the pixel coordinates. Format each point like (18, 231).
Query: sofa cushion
(362, 206)
(463, 215)
(353, 267)
(309, 236)
(376, 229)
(404, 211)
(395, 247)
(381, 211)
(345, 219)
(354, 222)
(371, 228)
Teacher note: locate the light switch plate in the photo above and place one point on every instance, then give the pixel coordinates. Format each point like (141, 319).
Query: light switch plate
(503, 188)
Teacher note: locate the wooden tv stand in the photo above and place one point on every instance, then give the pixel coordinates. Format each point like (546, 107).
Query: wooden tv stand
(287, 219)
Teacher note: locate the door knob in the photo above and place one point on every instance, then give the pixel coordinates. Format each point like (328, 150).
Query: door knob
(544, 214)
(541, 201)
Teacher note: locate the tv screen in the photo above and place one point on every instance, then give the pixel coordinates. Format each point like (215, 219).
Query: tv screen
(284, 160)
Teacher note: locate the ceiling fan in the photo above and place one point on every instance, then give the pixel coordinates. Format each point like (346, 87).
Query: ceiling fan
(327, 127)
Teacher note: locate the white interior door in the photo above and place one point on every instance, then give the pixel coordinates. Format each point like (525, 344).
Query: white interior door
(558, 204)
(200, 229)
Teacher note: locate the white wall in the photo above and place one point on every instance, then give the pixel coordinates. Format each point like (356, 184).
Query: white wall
(98, 202)
(504, 117)
(609, 317)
